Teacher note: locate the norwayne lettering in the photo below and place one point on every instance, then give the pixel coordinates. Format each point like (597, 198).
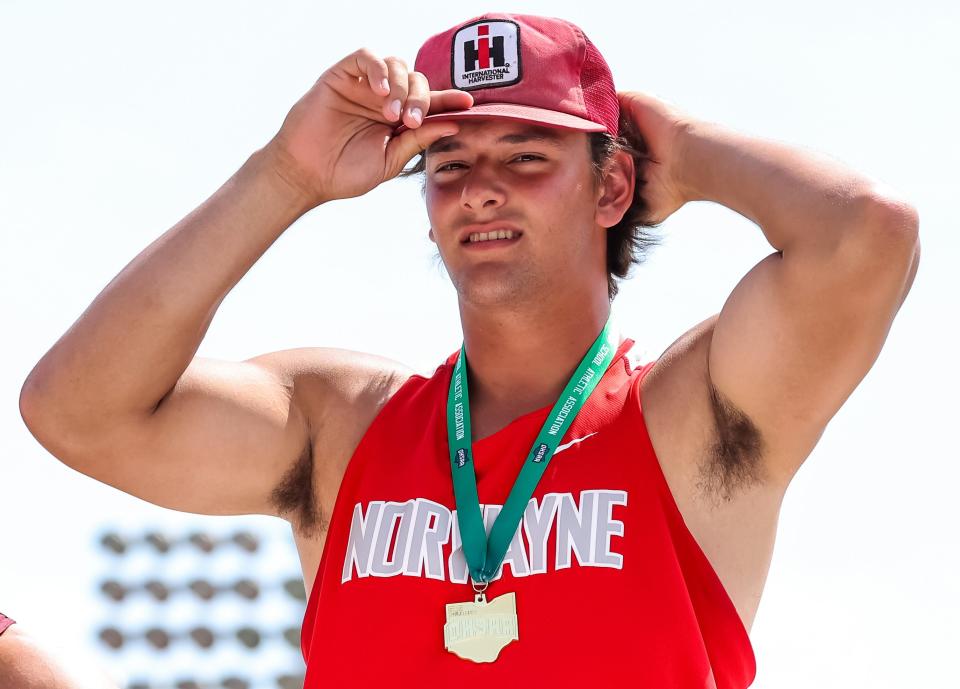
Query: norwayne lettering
(420, 537)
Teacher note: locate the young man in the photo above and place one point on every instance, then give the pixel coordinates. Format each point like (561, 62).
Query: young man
(628, 542)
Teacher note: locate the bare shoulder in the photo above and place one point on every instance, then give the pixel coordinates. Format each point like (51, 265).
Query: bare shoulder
(339, 392)
(328, 377)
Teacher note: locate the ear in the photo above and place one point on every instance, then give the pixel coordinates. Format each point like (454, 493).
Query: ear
(430, 235)
(615, 193)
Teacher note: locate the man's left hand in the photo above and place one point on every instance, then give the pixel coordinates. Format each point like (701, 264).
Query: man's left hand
(663, 127)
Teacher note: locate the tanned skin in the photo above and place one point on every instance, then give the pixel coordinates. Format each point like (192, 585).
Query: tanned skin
(27, 662)
(733, 406)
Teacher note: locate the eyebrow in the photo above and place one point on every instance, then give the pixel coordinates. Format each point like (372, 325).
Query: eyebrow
(539, 134)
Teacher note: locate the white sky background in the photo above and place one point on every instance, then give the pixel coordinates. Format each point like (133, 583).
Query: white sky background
(116, 120)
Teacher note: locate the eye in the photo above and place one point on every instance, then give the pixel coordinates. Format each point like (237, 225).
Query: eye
(444, 168)
(530, 157)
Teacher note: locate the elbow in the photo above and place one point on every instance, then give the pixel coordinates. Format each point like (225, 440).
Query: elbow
(48, 424)
(30, 403)
(37, 404)
(75, 432)
(889, 236)
(884, 248)
(36, 417)
(35, 395)
(893, 216)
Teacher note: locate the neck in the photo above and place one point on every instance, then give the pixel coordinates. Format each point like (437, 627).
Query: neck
(520, 359)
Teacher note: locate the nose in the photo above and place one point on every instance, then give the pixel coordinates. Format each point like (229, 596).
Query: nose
(481, 189)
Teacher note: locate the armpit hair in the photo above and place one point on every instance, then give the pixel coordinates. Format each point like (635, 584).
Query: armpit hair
(734, 457)
(294, 496)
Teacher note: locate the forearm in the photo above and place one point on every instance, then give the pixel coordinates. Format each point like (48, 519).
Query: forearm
(797, 197)
(131, 345)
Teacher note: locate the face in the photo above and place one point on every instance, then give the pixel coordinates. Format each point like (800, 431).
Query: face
(533, 182)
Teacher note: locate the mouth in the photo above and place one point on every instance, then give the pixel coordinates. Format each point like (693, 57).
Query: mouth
(501, 237)
(491, 235)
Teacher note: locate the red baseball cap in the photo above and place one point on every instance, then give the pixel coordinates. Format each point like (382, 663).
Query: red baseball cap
(523, 67)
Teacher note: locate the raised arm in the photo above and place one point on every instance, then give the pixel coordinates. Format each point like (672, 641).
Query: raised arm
(804, 326)
(122, 398)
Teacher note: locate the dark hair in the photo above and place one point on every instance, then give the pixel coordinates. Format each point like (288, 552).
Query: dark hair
(628, 242)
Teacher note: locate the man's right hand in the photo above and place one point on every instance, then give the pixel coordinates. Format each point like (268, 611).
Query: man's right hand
(337, 141)
(122, 396)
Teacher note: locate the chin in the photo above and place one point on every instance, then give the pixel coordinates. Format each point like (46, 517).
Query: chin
(493, 285)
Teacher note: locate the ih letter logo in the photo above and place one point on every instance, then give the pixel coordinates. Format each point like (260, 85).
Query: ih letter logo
(477, 54)
(486, 55)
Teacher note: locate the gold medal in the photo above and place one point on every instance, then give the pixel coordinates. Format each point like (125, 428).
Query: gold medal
(478, 631)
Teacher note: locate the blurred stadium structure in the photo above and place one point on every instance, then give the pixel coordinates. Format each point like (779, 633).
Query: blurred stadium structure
(199, 610)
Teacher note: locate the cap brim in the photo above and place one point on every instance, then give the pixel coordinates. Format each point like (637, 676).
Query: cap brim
(518, 113)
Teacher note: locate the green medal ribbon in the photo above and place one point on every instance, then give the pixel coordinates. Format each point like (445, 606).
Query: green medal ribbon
(484, 556)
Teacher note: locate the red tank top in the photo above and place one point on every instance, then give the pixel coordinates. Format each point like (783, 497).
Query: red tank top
(611, 588)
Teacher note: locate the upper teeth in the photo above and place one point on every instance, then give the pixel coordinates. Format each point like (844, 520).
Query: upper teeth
(496, 234)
